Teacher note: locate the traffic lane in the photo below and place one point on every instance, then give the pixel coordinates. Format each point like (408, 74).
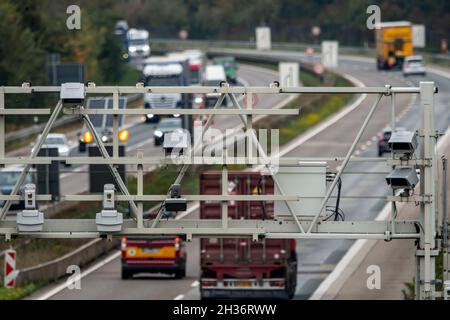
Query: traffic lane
(75, 179)
(103, 283)
(318, 257)
(323, 255)
(315, 262)
(106, 282)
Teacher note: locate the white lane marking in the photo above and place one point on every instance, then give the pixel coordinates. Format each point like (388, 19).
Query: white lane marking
(179, 297)
(439, 72)
(319, 128)
(67, 174)
(324, 125)
(194, 284)
(95, 267)
(357, 252)
(101, 263)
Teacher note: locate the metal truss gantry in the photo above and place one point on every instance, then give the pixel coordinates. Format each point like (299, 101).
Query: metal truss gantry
(426, 231)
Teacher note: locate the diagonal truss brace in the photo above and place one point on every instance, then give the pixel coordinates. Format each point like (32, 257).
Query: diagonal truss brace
(34, 153)
(123, 188)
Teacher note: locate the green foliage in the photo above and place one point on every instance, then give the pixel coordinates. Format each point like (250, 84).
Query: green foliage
(30, 30)
(409, 291)
(18, 293)
(290, 20)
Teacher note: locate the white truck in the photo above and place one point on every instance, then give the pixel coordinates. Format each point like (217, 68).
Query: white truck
(213, 77)
(138, 43)
(161, 72)
(197, 62)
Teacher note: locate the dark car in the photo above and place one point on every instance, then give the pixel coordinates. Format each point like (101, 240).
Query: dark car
(8, 178)
(165, 126)
(383, 139)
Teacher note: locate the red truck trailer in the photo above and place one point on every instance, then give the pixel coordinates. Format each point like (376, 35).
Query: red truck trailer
(238, 267)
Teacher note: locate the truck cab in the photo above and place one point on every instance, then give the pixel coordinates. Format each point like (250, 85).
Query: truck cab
(163, 72)
(138, 43)
(214, 76)
(196, 63)
(230, 67)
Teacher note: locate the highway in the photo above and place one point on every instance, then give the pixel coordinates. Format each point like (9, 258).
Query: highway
(316, 257)
(75, 179)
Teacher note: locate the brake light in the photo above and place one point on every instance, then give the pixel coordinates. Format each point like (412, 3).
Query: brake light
(177, 243)
(208, 283)
(123, 243)
(194, 67)
(87, 137)
(277, 283)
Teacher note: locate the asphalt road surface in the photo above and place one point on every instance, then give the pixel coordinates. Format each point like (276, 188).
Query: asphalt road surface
(316, 257)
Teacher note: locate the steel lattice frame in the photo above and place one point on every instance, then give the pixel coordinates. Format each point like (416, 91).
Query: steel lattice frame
(293, 227)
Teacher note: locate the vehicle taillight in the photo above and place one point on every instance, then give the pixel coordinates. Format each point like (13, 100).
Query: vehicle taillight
(277, 283)
(177, 243)
(123, 243)
(208, 283)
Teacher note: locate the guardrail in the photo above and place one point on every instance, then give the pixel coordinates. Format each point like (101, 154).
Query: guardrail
(56, 269)
(196, 43)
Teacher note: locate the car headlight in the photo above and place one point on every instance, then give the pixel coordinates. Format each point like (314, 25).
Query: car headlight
(63, 150)
(158, 133)
(149, 116)
(146, 48)
(104, 138)
(176, 115)
(132, 49)
(198, 100)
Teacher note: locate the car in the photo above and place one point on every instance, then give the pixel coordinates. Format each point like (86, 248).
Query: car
(8, 178)
(383, 139)
(165, 126)
(121, 27)
(413, 65)
(59, 141)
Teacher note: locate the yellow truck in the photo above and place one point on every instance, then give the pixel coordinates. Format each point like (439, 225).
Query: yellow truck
(393, 44)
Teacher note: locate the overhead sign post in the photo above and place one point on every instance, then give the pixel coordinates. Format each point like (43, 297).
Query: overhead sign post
(289, 74)
(418, 35)
(10, 269)
(330, 54)
(263, 41)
